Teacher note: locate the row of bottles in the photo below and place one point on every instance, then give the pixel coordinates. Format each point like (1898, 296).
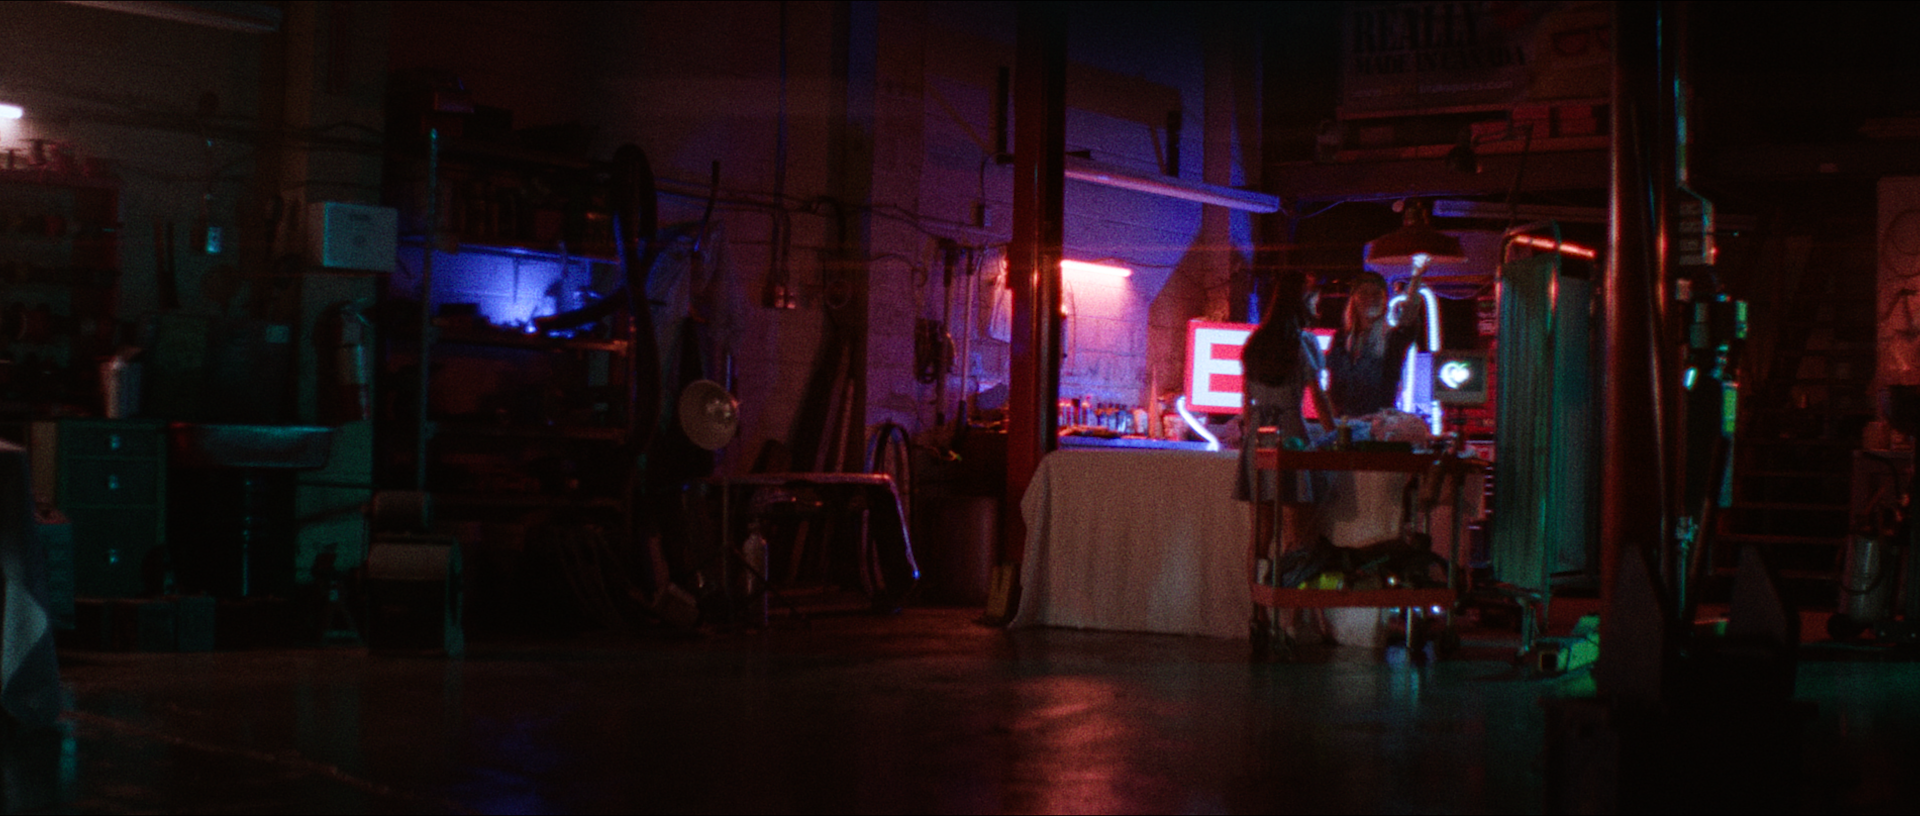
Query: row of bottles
(1111, 416)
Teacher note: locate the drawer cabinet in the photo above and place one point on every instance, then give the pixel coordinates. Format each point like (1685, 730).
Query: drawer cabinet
(102, 482)
(110, 438)
(109, 477)
(57, 538)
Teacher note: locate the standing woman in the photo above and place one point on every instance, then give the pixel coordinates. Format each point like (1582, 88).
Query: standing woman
(1364, 364)
(1280, 364)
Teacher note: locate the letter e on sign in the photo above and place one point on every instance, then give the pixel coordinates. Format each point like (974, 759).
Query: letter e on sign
(1213, 365)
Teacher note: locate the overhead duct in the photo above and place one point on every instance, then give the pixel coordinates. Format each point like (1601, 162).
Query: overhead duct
(250, 18)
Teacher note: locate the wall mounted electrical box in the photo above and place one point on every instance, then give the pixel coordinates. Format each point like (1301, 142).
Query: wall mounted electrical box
(351, 236)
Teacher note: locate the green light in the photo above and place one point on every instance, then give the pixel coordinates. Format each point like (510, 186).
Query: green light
(1729, 408)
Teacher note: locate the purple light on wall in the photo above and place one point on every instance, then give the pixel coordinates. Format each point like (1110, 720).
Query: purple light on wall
(509, 289)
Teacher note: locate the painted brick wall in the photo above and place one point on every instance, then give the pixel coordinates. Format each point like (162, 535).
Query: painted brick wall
(124, 91)
(699, 83)
(695, 83)
(232, 130)
(1129, 67)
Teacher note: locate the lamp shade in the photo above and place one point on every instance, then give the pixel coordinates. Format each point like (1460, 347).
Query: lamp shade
(1416, 238)
(709, 414)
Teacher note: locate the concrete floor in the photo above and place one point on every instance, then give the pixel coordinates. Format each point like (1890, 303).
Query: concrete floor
(925, 711)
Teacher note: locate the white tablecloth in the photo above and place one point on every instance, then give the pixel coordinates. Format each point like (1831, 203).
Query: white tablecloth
(1136, 540)
(29, 679)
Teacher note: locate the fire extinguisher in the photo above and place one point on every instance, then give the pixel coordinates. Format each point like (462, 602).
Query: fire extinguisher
(347, 382)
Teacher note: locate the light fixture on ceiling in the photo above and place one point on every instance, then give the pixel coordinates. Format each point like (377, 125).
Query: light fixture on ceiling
(1126, 178)
(1416, 243)
(11, 111)
(1562, 247)
(1094, 270)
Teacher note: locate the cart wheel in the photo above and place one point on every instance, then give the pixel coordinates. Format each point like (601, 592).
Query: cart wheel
(1422, 640)
(1416, 637)
(1448, 642)
(1546, 660)
(1269, 643)
(1843, 627)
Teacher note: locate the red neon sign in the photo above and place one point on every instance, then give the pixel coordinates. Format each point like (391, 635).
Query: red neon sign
(1213, 365)
(1213, 374)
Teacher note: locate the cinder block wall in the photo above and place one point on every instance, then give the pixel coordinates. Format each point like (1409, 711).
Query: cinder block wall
(213, 129)
(889, 109)
(854, 141)
(171, 109)
(1129, 69)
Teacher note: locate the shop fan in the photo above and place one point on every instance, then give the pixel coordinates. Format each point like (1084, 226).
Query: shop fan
(708, 414)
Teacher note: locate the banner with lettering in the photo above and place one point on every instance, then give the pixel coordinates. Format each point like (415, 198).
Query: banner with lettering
(1409, 58)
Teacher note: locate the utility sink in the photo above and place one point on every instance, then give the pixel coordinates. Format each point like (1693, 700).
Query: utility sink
(210, 445)
(232, 529)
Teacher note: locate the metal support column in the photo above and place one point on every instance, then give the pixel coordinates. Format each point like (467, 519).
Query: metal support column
(1033, 270)
(1632, 658)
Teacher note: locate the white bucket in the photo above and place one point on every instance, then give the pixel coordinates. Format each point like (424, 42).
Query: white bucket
(120, 388)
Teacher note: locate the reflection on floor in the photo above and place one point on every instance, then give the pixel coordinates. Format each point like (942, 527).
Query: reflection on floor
(925, 711)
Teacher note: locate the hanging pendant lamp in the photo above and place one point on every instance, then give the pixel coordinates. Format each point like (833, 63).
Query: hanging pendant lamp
(1416, 243)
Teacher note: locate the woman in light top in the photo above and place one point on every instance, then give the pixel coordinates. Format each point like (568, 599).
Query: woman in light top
(1367, 356)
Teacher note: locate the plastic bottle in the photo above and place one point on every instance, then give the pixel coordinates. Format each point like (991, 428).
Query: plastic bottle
(753, 554)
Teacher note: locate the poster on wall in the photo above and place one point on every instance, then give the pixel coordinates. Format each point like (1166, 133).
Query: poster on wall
(1400, 58)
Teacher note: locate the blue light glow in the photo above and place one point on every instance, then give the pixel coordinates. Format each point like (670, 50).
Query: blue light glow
(510, 289)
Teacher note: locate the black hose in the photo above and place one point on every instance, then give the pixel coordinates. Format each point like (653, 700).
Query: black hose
(890, 444)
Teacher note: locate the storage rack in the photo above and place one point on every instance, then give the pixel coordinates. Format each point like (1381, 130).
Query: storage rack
(1448, 468)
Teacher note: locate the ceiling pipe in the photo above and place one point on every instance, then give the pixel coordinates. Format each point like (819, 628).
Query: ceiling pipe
(1127, 178)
